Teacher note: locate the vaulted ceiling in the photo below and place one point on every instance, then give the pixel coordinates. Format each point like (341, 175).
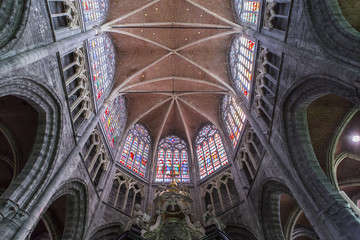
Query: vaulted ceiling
(171, 62)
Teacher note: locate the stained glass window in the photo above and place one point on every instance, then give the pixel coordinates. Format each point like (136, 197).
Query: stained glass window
(247, 11)
(136, 150)
(234, 119)
(242, 64)
(94, 10)
(210, 151)
(102, 61)
(172, 161)
(114, 119)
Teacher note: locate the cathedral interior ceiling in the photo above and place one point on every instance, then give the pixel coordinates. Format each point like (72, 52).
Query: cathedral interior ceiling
(172, 62)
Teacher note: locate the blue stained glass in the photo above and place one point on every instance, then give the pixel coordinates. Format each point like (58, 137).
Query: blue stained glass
(102, 64)
(234, 119)
(175, 160)
(210, 152)
(138, 145)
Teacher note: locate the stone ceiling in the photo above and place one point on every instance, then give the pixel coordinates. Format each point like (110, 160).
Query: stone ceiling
(172, 62)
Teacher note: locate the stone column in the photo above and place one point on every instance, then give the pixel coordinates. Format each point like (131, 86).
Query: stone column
(23, 228)
(26, 58)
(326, 225)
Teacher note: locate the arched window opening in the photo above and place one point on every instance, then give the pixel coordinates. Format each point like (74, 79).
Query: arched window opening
(250, 155)
(234, 119)
(96, 157)
(247, 11)
(94, 10)
(210, 151)
(113, 121)
(125, 193)
(16, 138)
(136, 149)
(242, 64)
(276, 15)
(221, 192)
(102, 61)
(78, 86)
(268, 73)
(52, 224)
(172, 161)
(64, 14)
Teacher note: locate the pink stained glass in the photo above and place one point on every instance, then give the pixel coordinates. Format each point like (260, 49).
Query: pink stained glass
(132, 153)
(214, 154)
(176, 165)
(220, 147)
(138, 157)
(113, 120)
(126, 149)
(209, 167)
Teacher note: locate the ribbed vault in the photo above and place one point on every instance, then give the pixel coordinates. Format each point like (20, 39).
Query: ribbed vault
(172, 62)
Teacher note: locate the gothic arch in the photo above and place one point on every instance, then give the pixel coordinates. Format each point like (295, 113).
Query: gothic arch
(302, 156)
(335, 33)
(269, 214)
(13, 18)
(108, 232)
(76, 194)
(41, 161)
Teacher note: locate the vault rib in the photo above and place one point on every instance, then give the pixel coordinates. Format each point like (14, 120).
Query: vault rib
(108, 24)
(171, 24)
(206, 39)
(204, 115)
(186, 130)
(175, 77)
(229, 88)
(161, 130)
(215, 15)
(118, 89)
(144, 114)
(139, 37)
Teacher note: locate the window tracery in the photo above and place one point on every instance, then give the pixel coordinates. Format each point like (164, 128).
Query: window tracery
(96, 157)
(220, 192)
(242, 64)
(125, 192)
(136, 150)
(234, 119)
(94, 10)
(102, 61)
(172, 160)
(113, 120)
(64, 14)
(247, 11)
(250, 154)
(78, 88)
(210, 151)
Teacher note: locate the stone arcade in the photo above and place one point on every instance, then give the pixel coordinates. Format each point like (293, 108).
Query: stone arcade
(176, 114)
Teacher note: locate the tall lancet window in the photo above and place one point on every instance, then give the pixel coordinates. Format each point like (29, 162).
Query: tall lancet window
(234, 119)
(242, 64)
(210, 151)
(247, 11)
(172, 160)
(94, 10)
(113, 120)
(135, 153)
(102, 61)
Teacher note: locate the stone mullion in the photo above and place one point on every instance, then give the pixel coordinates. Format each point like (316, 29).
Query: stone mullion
(118, 191)
(126, 198)
(228, 192)
(220, 197)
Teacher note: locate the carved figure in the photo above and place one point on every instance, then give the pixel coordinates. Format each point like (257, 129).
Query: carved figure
(209, 218)
(139, 219)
